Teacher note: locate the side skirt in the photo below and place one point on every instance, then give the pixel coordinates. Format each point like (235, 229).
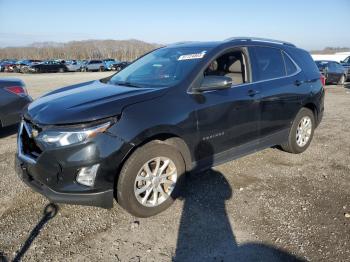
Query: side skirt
(277, 138)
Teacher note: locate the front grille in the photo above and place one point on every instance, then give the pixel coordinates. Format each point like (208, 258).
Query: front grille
(29, 146)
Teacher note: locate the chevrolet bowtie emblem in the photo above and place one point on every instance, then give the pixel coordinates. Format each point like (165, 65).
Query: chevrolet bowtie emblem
(35, 133)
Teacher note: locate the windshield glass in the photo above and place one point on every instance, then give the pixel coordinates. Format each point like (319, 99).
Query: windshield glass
(161, 68)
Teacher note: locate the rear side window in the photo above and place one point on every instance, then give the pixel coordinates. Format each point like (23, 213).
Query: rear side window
(268, 63)
(290, 66)
(305, 62)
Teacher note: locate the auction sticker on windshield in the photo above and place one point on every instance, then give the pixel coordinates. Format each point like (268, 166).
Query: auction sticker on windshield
(192, 56)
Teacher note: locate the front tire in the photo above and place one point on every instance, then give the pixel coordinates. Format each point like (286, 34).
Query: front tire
(301, 132)
(150, 179)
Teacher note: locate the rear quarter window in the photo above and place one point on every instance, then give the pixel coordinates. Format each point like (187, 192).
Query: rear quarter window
(305, 62)
(289, 64)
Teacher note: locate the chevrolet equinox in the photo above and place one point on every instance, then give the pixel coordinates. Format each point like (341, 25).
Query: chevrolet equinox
(185, 107)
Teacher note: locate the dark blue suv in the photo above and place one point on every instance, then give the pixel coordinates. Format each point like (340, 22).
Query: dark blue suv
(184, 107)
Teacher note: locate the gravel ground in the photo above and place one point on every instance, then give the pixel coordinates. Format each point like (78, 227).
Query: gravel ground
(264, 207)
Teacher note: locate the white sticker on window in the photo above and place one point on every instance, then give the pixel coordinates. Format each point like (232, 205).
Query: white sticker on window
(192, 56)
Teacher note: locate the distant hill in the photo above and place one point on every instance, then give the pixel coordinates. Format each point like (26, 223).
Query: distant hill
(124, 50)
(331, 50)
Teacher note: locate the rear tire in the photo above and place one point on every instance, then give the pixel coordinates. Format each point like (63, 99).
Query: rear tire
(140, 172)
(301, 132)
(61, 70)
(101, 69)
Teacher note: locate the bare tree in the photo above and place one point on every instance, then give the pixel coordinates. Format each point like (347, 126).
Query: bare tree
(125, 50)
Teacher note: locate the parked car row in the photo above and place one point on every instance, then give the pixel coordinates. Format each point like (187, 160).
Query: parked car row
(53, 66)
(332, 71)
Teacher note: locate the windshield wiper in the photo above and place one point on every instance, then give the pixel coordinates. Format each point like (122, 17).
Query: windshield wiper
(126, 83)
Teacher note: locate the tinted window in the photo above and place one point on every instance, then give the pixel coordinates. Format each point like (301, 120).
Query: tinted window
(290, 66)
(268, 63)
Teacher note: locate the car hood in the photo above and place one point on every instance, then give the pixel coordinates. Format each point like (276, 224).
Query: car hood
(86, 102)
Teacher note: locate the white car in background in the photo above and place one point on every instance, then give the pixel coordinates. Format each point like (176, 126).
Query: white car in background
(93, 65)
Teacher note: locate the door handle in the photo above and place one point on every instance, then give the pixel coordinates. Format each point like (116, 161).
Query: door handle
(298, 82)
(252, 92)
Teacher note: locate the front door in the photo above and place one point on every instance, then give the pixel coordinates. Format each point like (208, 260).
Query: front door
(228, 118)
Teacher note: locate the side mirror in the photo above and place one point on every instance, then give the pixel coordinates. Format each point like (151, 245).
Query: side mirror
(215, 83)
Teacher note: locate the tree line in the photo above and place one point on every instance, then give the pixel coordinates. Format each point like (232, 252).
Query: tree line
(123, 50)
(331, 50)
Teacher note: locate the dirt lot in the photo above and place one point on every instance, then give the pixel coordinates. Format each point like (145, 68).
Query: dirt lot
(264, 207)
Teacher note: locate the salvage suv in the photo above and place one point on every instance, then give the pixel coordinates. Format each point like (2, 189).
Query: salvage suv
(185, 107)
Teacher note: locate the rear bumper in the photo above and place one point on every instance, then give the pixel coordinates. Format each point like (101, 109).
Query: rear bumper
(13, 115)
(319, 117)
(320, 107)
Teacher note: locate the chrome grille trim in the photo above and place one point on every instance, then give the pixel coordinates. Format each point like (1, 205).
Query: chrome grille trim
(20, 152)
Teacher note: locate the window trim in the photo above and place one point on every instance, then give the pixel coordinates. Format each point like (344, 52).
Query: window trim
(279, 77)
(245, 50)
(248, 67)
(276, 78)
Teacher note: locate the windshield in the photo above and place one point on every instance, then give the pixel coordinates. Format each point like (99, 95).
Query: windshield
(161, 68)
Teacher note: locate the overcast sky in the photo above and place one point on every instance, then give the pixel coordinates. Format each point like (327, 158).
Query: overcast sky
(310, 24)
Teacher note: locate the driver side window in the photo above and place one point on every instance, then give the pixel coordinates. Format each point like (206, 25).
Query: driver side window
(231, 64)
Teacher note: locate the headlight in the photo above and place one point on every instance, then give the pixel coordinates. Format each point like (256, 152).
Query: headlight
(64, 138)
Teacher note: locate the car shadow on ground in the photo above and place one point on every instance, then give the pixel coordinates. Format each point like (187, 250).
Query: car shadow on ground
(8, 131)
(205, 232)
(49, 212)
(347, 85)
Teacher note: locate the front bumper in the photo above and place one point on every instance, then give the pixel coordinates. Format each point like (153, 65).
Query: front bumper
(53, 173)
(100, 199)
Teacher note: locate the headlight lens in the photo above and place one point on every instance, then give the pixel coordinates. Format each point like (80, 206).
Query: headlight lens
(65, 138)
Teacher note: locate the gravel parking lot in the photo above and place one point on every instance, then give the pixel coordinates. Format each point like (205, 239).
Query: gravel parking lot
(269, 206)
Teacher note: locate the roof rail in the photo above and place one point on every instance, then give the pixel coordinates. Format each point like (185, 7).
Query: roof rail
(182, 42)
(260, 40)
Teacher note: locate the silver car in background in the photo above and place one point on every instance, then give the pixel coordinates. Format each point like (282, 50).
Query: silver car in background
(74, 65)
(93, 65)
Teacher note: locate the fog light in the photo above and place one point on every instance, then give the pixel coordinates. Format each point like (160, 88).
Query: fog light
(87, 175)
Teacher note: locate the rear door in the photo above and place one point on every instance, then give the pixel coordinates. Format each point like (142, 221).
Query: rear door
(279, 81)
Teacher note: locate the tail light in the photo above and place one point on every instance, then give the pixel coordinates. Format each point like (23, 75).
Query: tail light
(17, 90)
(323, 80)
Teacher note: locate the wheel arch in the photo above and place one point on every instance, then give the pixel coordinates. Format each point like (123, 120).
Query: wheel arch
(167, 138)
(313, 108)
(170, 139)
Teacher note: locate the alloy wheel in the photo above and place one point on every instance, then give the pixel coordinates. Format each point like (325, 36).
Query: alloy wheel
(155, 181)
(304, 130)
